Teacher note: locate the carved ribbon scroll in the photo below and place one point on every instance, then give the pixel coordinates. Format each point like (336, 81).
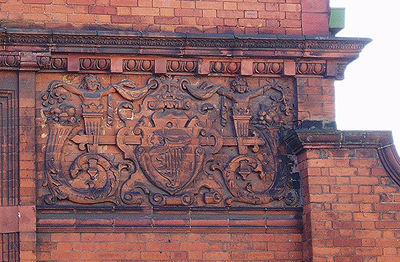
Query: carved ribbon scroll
(167, 142)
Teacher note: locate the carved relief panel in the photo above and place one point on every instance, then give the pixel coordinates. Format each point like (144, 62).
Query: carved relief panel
(168, 140)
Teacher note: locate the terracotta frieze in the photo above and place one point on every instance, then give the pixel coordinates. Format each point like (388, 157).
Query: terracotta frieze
(268, 68)
(94, 64)
(52, 63)
(138, 65)
(198, 54)
(169, 141)
(225, 67)
(184, 66)
(10, 60)
(310, 68)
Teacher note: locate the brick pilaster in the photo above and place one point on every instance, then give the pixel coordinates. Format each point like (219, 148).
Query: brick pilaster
(351, 203)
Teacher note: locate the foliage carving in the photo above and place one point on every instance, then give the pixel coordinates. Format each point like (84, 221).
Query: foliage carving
(169, 142)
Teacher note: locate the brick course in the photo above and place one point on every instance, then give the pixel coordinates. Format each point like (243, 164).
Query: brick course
(351, 201)
(351, 213)
(316, 99)
(292, 17)
(349, 209)
(168, 247)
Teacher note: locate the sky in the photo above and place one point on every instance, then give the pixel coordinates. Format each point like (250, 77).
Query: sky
(369, 96)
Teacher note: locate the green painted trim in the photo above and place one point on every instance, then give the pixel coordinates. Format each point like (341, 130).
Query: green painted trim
(337, 19)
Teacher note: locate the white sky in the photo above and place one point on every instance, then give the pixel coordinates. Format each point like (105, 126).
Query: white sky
(369, 96)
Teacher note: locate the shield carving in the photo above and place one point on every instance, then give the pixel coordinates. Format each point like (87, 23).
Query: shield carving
(170, 157)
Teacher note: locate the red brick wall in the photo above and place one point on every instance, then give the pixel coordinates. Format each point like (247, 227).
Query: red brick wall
(18, 177)
(94, 239)
(292, 17)
(316, 99)
(27, 218)
(351, 206)
(351, 213)
(168, 247)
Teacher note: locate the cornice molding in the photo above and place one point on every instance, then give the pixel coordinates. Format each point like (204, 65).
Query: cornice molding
(203, 54)
(299, 140)
(391, 161)
(382, 141)
(230, 45)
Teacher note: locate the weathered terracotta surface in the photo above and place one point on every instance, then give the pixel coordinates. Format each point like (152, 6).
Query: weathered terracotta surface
(177, 147)
(169, 140)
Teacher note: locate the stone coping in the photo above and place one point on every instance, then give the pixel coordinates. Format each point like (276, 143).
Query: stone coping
(382, 141)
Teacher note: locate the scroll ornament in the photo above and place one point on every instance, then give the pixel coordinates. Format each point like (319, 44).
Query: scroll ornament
(169, 142)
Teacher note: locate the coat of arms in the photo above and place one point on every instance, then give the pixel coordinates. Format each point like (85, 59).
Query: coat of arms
(168, 142)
